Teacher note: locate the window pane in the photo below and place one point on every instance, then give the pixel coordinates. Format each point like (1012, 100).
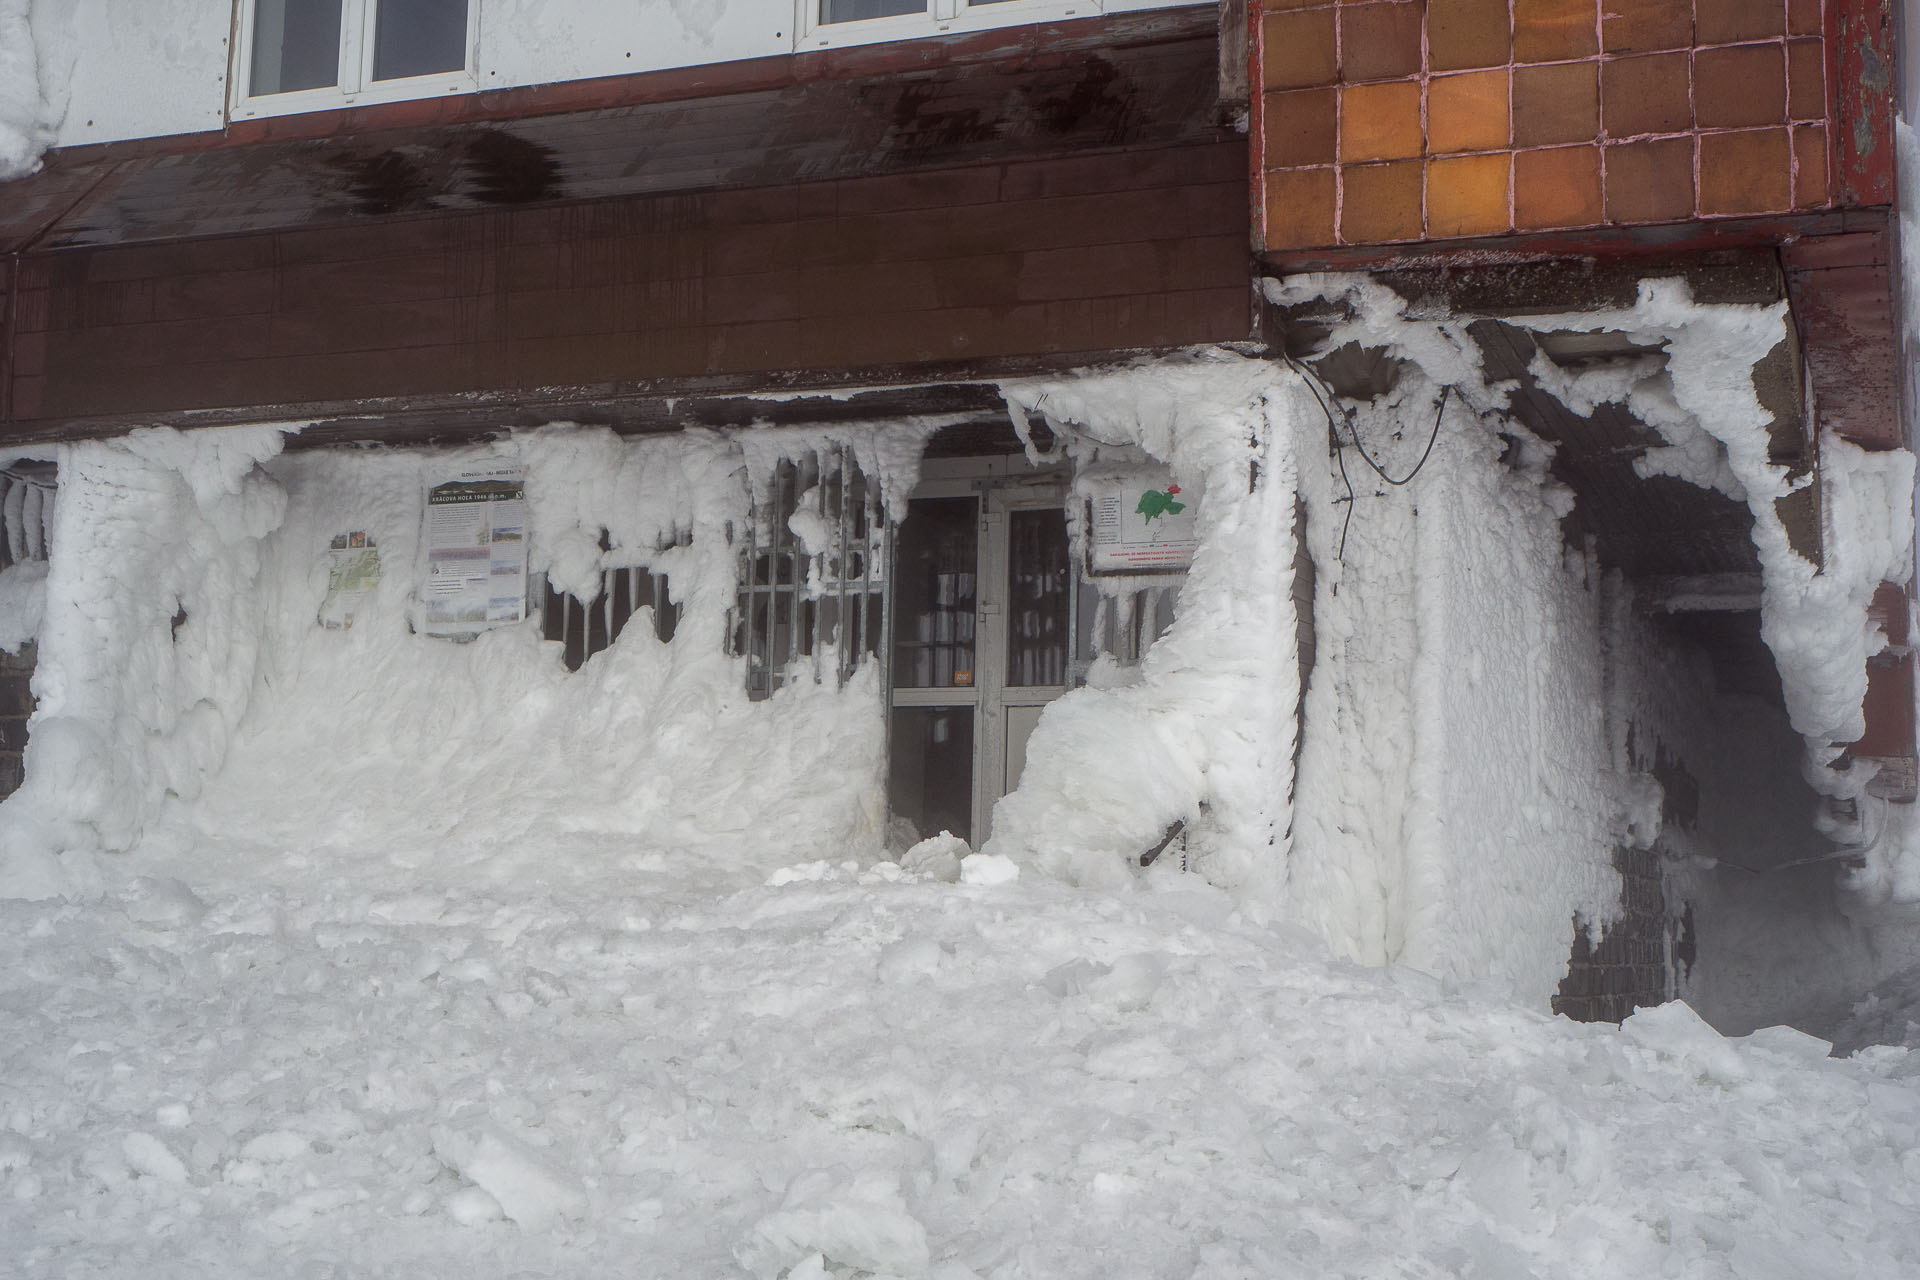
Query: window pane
(930, 778)
(419, 38)
(856, 10)
(933, 618)
(1037, 598)
(296, 45)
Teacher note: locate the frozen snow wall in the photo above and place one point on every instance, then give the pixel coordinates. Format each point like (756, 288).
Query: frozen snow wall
(189, 694)
(374, 742)
(147, 644)
(1455, 806)
(1202, 733)
(1462, 779)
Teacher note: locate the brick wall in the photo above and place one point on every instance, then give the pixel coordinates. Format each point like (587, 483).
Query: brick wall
(1383, 121)
(1629, 968)
(16, 704)
(1641, 955)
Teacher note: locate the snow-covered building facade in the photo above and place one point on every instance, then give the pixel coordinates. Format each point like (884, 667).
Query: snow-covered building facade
(1438, 469)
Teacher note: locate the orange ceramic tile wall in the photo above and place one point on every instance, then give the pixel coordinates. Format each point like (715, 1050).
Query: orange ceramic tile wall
(1398, 120)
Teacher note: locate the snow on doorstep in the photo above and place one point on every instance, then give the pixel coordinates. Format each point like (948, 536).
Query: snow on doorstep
(246, 1065)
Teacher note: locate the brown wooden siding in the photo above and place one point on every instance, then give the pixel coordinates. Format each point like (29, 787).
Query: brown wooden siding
(1063, 257)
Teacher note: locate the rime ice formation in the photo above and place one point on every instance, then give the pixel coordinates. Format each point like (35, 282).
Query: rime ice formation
(22, 133)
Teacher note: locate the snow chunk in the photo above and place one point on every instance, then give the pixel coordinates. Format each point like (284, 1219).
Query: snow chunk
(529, 1189)
(470, 1207)
(909, 960)
(23, 602)
(988, 868)
(161, 902)
(149, 1156)
(858, 1221)
(1674, 1030)
(937, 857)
(277, 1146)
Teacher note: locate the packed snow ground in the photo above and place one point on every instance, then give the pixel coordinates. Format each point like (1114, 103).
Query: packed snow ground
(241, 1063)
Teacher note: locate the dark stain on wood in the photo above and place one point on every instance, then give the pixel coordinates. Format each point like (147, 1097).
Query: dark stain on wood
(504, 168)
(921, 113)
(897, 275)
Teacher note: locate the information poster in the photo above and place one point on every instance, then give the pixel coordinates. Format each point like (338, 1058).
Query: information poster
(1139, 521)
(353, 571)
(476, 540)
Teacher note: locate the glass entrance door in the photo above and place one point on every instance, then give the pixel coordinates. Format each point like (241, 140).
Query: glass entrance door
(980, 644)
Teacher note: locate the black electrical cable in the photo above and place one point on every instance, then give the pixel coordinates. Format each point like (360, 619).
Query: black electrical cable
(1380, 470)
(1340, 454)
(1333, 434)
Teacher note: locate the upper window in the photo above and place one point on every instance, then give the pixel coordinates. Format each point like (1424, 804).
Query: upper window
(302, 54)
(829, 22)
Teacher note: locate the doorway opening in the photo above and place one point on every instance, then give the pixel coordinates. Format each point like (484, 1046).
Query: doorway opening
(983, 624)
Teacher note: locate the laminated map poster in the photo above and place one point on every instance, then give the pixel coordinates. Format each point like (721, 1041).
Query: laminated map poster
(476, 541)
(353, 573)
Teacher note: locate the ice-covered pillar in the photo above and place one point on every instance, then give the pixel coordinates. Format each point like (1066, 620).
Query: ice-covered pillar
(1205, 737)
(146, 653)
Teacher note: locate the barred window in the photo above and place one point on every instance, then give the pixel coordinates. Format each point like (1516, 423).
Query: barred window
(26, 511)
(812, 572)
(584, 628)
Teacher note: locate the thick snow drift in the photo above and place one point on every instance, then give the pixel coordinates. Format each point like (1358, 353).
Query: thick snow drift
(240, 1064)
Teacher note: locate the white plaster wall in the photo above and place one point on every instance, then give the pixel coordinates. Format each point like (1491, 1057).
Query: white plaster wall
(114, 69)
(118, 69)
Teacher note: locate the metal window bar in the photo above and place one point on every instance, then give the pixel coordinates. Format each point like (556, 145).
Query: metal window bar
(1125, 626)
(800, 601)
(584, 628)
(27, 493)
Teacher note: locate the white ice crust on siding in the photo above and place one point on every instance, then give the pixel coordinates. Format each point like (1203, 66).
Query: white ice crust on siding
(23, 115)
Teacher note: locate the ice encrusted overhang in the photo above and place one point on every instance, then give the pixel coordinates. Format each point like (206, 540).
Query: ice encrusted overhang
(1675, 414)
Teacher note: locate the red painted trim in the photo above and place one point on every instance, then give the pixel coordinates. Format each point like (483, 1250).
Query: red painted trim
(1861, 75)
(9, 322)
(1678, 237)
(1256, 127)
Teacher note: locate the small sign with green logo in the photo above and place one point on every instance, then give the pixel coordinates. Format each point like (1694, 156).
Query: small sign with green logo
(1139, 521)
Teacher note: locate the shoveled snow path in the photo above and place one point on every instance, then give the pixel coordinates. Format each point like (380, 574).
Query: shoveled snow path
(657, 1072)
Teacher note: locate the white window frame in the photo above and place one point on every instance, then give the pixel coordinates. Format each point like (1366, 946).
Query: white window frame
(356, 86)
(942, 17)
